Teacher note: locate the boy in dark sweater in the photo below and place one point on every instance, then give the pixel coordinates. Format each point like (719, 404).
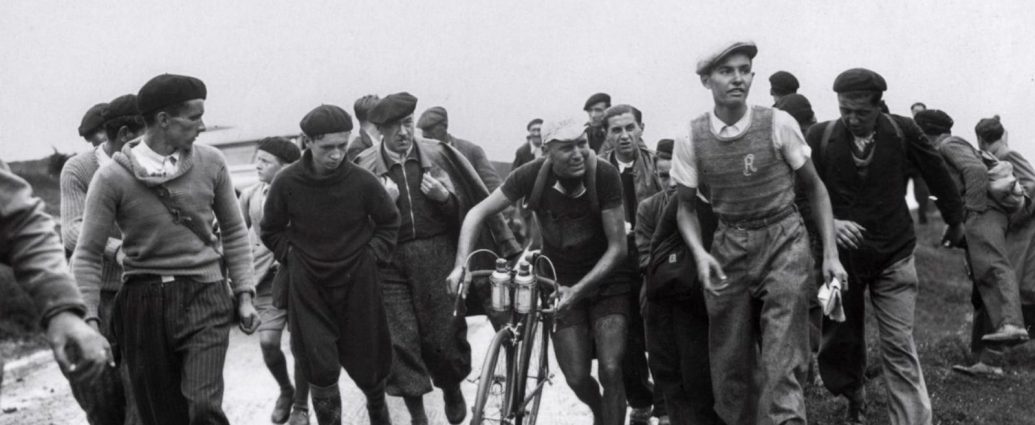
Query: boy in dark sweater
(330, 223)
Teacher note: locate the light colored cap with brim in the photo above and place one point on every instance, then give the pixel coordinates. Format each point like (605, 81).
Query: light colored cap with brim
(562, 130)
(716, 55)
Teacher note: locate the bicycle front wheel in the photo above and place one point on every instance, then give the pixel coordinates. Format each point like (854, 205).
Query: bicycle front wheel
(492, 403)
(538, 369)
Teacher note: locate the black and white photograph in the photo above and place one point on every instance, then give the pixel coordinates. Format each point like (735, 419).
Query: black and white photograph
(719, 212)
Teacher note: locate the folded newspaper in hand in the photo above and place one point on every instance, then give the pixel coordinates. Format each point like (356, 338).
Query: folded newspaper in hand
(830, 298)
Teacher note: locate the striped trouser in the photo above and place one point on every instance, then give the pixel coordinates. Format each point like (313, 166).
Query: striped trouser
(173, 338)
(106, 400)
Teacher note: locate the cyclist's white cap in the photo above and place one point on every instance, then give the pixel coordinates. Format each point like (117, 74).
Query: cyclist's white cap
(564, 130)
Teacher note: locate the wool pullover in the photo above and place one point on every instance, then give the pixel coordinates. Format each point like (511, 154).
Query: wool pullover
(75, 180)
(30, 246)
(331, 219)
(154, 242)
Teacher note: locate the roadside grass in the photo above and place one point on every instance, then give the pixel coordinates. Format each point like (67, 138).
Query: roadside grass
(942, 332)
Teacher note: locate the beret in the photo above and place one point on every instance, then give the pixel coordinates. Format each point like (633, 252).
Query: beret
(393, 108)
(933, 121)
(281, 148)
(93, 119)
(859, 79)
(325, 119)
(665, 148)
(433, 115)
(715, 56)
(533, 122)
(169, 89)
(798, 106)
(597, 98)
(990, 129)
(562, 130)
(122, 106)
(783, 82)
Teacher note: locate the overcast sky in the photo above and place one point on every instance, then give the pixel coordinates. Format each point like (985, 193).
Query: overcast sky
(496, 65)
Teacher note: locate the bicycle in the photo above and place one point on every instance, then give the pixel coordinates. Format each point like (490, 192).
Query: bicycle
(507, 392)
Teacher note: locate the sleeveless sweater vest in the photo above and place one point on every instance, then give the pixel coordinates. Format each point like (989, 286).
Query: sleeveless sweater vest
(745, 177)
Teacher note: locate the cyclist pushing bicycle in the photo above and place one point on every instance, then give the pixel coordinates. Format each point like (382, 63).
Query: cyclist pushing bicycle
(578, 202)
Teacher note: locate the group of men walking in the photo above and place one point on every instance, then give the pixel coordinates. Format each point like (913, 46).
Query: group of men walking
(696, 264)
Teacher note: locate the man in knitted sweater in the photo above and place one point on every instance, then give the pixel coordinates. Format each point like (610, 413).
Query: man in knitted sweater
(173, 314)
(330, 223)
(746, 159)
(106, 401)
(271, 156)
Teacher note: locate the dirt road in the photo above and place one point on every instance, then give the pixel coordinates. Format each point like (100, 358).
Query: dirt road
(42, 396)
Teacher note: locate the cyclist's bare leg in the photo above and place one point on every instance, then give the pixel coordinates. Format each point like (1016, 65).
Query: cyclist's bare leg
(609, 333)
(574, 348)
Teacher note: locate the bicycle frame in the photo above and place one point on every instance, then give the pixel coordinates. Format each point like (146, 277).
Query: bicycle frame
(517, 338)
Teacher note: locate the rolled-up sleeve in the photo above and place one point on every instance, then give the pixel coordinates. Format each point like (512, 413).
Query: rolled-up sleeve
(684, 167)
(789, 141)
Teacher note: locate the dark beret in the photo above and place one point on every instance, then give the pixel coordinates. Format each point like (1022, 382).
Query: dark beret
(597, 98)
(859, 79)
(93, 119)
(393, 108)
(122, 106)
(990, 129)
(798, 106)
(783, 82)
(433, 115)
(933, 121)
(169, 89)
(533, 122)
(665, 148)
(325, 119)
(281, 148)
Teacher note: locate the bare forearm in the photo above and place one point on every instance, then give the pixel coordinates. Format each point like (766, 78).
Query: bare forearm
(823, 216)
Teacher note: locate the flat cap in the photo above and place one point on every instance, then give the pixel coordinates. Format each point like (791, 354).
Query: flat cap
(562, 130)
(934, 121)
(990, 129)
(325, 119)
(782, 83)
(665, 148)
(122, 106)
(534, 121)
(393, 108)
(281, 148)
(432, 116)
(92, 120)
(595, 99)
(169, 89)
(798, 106)
(859, 79)
(715, 56)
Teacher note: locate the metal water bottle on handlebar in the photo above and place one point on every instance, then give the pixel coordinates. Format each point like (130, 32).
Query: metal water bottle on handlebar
(499, 282)
(524, 283)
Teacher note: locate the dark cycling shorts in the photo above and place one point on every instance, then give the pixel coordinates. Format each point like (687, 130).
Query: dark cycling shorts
(595, 308)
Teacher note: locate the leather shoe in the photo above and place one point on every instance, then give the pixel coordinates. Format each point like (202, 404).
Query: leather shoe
(299, 417)
(978, 369)
(1006, 333)
(282, 408)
